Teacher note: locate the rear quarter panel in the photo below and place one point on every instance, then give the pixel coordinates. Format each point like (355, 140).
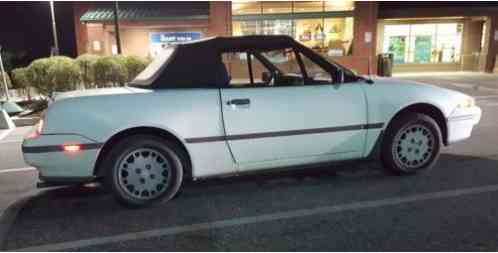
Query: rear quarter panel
(185, 113)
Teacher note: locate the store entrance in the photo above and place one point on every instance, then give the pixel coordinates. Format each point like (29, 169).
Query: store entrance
(431, 45)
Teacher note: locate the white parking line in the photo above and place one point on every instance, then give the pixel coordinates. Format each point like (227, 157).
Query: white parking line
(17, 170)
(12, 141)
(4, 134)
(66, 246)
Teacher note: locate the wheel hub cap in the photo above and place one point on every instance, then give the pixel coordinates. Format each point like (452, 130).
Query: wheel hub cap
(413, 146)
(144, 173)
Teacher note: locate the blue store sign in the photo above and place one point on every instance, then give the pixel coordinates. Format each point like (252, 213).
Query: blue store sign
(160, 40)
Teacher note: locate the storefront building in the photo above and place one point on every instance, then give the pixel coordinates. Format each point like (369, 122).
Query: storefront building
(421, 36)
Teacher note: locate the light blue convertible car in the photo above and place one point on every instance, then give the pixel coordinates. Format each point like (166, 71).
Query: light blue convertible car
(234, 105)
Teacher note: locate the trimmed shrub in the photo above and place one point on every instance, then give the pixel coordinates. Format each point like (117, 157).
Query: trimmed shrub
(49, 75)
(64, 73)
(20, 81)
(37, 75)
(85, 62)
(134, 65)
(110, 70)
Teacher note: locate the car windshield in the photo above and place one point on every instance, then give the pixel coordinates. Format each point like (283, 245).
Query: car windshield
(144, 76)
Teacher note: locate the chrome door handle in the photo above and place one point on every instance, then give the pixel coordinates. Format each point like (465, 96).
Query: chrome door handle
(239, 101)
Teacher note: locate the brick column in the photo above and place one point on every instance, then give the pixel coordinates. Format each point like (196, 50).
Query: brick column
(472, 32)
(491, 45)
(365, 28)
(220, 18)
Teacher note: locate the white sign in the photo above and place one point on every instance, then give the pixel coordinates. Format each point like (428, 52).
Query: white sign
(368, 37)
(96, 45)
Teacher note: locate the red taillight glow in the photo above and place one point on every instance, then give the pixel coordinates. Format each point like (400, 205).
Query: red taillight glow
(39, 128)
(35, 134)
(72, 148)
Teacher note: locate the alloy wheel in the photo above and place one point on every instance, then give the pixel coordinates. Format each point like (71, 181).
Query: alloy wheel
(144, 173)
(413, 146)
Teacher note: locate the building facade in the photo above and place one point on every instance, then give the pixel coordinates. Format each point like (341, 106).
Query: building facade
(420, 36)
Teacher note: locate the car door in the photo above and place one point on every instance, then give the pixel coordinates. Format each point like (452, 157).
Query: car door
(267, 125)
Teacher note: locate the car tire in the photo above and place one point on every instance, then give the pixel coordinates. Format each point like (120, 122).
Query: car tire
(412, 143)
(144, 170)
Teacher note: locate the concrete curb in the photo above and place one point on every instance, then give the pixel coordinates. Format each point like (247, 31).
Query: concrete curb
(9, 215)
(5, 121)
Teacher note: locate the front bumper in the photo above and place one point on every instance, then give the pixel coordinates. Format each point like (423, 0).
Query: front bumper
(461, 122)
(46, 153)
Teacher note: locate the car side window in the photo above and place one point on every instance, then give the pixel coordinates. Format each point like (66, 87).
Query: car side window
(316, 74)
(244, 69)
(273, 68)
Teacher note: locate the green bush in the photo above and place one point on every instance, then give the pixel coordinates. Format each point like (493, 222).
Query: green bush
(64, 73)
(20, 81)
(37, 75)
(135, 65)
(86, 62)
(49, 75)
(110, 70)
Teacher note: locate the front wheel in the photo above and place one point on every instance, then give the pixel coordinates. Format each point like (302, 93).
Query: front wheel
(412, 143)
(144, 170)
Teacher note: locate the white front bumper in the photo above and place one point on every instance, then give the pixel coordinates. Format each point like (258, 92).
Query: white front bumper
(461, 123)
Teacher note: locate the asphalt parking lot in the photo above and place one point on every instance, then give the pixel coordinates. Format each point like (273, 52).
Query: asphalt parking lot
(454, 207)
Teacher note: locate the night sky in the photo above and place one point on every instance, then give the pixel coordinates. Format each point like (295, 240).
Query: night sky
(26, 26)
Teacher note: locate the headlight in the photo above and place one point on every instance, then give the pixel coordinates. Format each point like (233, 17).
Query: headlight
(466, 103)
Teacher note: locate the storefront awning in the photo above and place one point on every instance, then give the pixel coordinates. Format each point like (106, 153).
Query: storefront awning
(149, 12)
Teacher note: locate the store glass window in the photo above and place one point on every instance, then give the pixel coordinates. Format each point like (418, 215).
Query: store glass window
(338, 36)
(277, 27)
(310, 32)
(308, 6)
(245, 8)
(272, 7)
(251, 27)
(423, 43)
(339, 5)
(327, 32)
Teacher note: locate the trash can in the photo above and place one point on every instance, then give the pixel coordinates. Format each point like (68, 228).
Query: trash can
(385, 64)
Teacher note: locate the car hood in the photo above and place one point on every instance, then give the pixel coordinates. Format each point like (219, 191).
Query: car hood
(98, 92)
(418, 88)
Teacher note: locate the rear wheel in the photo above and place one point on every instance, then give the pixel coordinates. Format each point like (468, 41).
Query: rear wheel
(412, 143)
(144, 170)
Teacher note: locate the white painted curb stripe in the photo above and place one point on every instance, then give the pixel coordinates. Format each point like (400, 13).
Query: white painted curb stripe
(17, 170)
(65, 246)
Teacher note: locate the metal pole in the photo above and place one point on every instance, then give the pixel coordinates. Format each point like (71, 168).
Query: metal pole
(5, 86)
(116, 26)
(54, 28)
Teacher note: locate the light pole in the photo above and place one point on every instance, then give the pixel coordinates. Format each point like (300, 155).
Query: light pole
(5, 86)
(54, 30)
(116, 26)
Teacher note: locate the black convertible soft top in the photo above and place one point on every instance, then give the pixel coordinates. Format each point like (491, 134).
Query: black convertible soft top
(199, 65)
